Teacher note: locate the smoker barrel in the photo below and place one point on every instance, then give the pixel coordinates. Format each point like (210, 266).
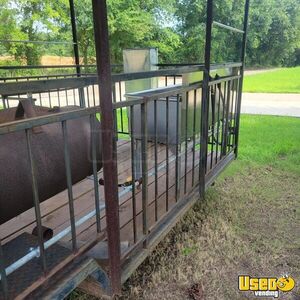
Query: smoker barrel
(186, 116)
(16, 195)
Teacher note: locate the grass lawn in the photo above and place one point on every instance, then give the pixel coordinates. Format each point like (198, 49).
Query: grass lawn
(285, 80)
(249, 223)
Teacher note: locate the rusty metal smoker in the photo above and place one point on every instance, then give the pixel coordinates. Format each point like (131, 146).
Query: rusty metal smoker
(16, 195)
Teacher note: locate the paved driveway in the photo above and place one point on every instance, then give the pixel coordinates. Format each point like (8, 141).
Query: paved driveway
(259, 71)
(271, 104)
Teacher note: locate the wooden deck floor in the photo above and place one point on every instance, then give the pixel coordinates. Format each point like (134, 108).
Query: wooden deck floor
(55, 211)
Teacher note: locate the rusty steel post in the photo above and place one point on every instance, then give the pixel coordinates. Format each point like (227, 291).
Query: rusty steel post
(109, 157)
(76, 50)
(240, 91)
(205, 98)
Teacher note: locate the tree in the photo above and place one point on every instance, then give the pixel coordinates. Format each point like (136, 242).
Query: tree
(176, 27)
(132, 23)
(273, 38)
(273, 32)
(33, 20)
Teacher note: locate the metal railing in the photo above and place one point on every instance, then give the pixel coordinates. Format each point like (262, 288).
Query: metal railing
(176, 163)
(164, 171)
(40, 250)
(178, 139)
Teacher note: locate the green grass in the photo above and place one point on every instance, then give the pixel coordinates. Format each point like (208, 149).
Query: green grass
(247, 224)
(285, 80)
(270, 140)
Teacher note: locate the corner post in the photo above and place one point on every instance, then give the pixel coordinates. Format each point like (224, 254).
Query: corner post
(240, 91)
(205, 97)
(76, 50)
(108, 152)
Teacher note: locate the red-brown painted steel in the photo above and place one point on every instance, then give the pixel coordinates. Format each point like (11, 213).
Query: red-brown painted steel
(109, 157)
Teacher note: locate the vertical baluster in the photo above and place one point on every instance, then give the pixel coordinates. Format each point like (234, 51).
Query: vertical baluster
(223, 118)
(213, 111)
(155, 159)
(69, 184)
(85, 90)
(178, 148)
(40, 98)
(230, 144)
(218, 87)
(95, 171)
(207, 129)
(236, 112)
(3, 98)
(4, 102)
(58, 96)
(167, 153)
(133, 168)
(186, 140)
(36, 200)
(74, 96)
(49, 96)
(66, 94)
(227, 101)
(144, 168)
(194, 136)
(94, 98)
(121, 110)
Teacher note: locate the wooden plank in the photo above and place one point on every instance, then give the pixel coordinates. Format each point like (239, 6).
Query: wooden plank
(93, 288)
(126, 206)
(55, 210)
(52, 205)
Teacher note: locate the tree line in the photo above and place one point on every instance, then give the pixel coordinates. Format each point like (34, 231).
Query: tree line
(175, 27)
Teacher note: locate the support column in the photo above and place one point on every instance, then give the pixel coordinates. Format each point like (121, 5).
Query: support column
(76, 50)
(108, 152)
(240, 91)
(205, 97)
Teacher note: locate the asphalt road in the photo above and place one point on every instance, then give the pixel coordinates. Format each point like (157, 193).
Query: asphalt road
(271, 104)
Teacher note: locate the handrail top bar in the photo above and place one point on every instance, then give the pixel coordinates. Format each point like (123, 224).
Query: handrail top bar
(156, 73)
(36, 42)
(51, 66)
(156, 94)
(223, 79)
(39, 77)
(39, 86)
(154, 91)
(213, 65)
(217, 65)
(228, 27)
(172, 90)
(19, 125)
(36, 86)
(172, 71)
(179, 65)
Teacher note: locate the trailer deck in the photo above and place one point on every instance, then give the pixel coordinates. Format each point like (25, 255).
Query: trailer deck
(16, 234)
(55, 211)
